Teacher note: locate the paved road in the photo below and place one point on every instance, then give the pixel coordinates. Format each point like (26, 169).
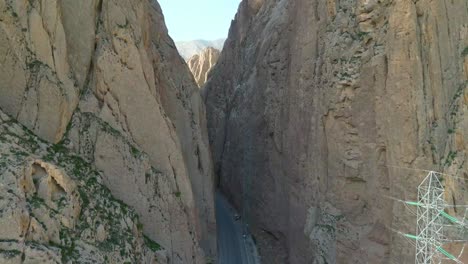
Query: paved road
(233, 248)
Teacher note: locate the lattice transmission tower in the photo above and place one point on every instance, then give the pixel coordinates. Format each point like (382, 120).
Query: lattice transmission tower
(435, 227)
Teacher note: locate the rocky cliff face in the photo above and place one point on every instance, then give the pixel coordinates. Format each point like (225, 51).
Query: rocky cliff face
(201, 64)
(54, 208)
(316, 107)
(108, 84)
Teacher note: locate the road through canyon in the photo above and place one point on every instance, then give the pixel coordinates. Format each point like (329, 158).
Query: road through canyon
(233, 248)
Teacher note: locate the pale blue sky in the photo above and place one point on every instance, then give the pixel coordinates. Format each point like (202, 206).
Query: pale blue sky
(198, 19)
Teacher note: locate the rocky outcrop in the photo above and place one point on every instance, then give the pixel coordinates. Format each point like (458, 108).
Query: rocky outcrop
(54, 208)
(316, 108)
(187, 49)
(201, 64)
(108, 84)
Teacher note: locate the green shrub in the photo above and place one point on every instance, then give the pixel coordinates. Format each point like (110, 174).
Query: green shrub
(465, 52)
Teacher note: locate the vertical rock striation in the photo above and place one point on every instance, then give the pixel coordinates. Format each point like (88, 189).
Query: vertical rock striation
(314, 108)
(189, 48)
(201, 64)
(107, 83)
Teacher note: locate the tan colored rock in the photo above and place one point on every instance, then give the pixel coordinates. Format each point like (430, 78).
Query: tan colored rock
(40, 39)
(59, 212)
(80, 47)
(36, 231)
(39, 89)
(101, 234)
(187, 49)
(311, 104)
(108, 83)
(142, 117)
(201, 64)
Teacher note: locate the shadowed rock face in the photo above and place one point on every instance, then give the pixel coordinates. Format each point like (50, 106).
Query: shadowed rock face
(313, 103)
(201, 64)
(107, 83)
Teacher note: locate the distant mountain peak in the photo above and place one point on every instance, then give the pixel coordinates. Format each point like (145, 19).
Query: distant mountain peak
(189, 48)
(200, 64)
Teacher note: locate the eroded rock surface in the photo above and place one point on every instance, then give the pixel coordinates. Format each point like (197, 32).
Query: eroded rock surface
(107, 83)
(201, 64)
(314, 107)
(55, 209)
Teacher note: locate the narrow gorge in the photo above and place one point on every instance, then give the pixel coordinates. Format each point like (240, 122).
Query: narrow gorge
(298, 141)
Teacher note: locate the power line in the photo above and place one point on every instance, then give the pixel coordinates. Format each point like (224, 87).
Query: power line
(423, 170)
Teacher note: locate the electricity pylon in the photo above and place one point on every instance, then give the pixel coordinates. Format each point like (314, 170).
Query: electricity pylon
(434, 223)
(430, 223)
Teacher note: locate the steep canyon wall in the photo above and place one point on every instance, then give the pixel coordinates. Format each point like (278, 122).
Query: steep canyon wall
(103, 79)
(316, 108)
